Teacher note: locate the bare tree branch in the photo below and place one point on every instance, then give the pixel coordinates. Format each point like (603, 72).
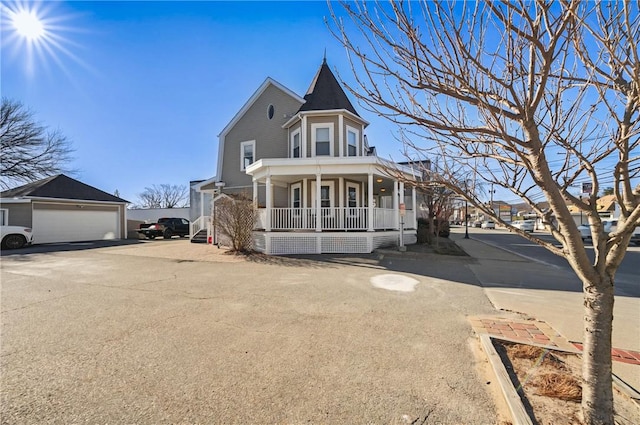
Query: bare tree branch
(29, 151)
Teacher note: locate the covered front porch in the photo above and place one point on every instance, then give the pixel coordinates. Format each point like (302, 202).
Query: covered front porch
(332, 205)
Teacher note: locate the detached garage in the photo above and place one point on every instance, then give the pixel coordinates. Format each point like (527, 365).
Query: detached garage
(62, 209)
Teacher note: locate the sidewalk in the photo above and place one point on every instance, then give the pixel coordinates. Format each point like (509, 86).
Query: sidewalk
(553, 296)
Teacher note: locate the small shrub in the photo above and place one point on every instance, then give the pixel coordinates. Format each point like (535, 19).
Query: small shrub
(236, 219)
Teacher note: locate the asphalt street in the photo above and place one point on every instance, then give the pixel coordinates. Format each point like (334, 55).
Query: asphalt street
(627, 276)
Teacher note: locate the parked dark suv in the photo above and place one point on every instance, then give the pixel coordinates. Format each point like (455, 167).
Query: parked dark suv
(166, 227)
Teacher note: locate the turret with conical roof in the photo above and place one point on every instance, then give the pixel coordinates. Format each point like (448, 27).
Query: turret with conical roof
(325, 93)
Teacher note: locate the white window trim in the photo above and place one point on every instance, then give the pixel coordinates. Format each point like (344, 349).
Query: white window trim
(299, 133)
(313, 137)
(251, 143)
(358, 142)
(332, 193)
(4, 213)
(356, 186)
(293, 188)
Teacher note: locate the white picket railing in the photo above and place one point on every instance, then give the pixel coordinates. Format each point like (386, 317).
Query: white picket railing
(344, 218)
(198, 224)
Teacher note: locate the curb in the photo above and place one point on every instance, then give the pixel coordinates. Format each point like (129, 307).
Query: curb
(518, 412)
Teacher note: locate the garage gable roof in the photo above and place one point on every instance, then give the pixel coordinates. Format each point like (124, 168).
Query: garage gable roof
(60, 187)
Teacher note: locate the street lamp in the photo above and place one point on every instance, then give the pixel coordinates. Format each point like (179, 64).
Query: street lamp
(466, 209)
(466, 219)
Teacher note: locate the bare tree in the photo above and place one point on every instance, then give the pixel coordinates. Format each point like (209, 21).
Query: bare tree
(540, 96)
(29, 151)
(164, 196)
(236, 217)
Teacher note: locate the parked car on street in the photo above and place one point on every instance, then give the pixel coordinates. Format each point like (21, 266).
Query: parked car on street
(525, 225)
(477, 223)
(608, 227)
(488, 224)
(166, 227)
(14, 237)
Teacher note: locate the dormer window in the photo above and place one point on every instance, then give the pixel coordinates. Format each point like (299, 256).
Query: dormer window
(352, 141)
(322, 139)
(295, 145)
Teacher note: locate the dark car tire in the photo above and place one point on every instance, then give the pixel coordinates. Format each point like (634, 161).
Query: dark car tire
(167, 234)
(151, 236)
(13, 242)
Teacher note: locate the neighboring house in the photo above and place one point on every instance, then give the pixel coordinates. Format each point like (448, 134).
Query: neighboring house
(306, 164)
(62, 209)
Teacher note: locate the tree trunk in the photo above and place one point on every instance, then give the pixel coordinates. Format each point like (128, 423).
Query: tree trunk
(597, 392)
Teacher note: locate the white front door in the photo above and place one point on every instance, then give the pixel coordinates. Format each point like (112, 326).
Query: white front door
(327, 194)
(353, 195)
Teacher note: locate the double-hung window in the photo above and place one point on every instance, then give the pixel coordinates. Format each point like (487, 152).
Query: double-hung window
(322, 139)
(352, 141)
(295, 145)
(247, 154)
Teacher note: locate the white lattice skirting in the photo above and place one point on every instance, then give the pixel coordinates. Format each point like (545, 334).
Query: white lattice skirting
(282, 243)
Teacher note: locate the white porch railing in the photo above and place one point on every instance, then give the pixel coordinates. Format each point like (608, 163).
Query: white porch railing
(198, 224)
(344, 218)
(385, 218)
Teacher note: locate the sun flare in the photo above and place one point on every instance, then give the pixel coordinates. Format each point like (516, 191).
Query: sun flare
(28, 25)
(36, 32)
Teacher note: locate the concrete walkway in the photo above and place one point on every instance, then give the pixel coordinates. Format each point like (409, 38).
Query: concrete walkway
(552, 295)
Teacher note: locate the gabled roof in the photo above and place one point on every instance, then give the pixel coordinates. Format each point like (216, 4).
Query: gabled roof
(60, 187)
(325, 93)
(268, 82)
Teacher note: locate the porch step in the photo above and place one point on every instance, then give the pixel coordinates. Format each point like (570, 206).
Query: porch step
(200, 237)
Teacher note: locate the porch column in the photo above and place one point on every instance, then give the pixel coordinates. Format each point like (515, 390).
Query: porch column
(267, 224)
(318, 203)
(401, 200)
(415, 207)
(255, 193)
(396, 212)
(370, 203)
(305, 211)
(341, 212)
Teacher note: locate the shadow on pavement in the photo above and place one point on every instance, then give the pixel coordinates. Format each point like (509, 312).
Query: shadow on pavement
(69, 246)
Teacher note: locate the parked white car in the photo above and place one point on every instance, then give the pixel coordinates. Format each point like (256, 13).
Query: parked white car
(525, 225)
(14, 237)
(608, 227)
(488, 224)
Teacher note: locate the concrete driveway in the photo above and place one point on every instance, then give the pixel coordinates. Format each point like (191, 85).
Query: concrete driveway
(173, 332)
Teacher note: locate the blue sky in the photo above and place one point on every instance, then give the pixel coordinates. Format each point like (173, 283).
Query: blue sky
(142, 89)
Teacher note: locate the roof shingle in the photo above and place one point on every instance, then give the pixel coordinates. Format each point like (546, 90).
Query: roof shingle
(325, 93)
(60, 187)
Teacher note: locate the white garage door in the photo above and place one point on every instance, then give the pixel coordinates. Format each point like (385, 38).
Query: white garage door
(52, 225)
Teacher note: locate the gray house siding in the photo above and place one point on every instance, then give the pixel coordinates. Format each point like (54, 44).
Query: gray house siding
(270, 138)
(19, 214)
